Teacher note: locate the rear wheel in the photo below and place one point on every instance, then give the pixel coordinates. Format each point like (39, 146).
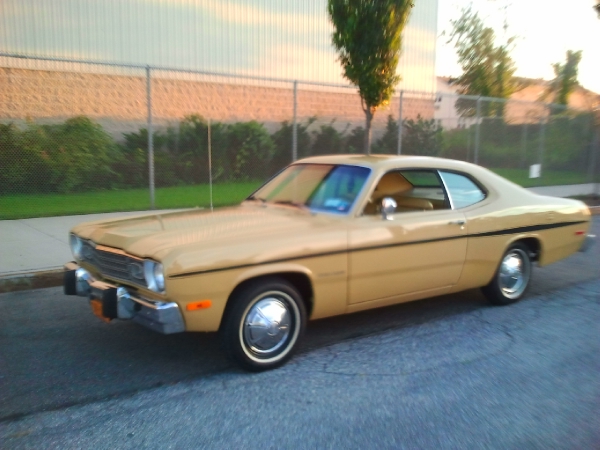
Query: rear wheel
(512, 277)
(264, 324)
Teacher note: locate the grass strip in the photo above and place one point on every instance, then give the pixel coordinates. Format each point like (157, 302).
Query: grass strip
(548, 178)
(46, 205)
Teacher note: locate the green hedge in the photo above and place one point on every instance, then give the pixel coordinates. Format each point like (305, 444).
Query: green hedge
(80, 156)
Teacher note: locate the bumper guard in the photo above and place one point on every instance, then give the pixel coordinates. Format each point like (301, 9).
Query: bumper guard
(119, 302)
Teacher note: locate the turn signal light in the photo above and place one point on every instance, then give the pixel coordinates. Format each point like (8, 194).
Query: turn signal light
(202, 304)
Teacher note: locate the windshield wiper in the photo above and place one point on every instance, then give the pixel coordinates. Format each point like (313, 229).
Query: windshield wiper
(291, 203)
(256, 199)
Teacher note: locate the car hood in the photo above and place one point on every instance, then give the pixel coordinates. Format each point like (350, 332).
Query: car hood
(200, 237)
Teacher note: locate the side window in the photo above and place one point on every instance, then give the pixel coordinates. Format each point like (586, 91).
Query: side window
(463, 192)
(411, 189)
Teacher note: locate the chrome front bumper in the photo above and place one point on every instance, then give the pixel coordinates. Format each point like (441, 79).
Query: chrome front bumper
(587, 243)
(118, 302)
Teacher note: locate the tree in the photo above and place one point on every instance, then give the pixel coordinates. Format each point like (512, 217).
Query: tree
(368, 36)
(487, 68)
(565, 79)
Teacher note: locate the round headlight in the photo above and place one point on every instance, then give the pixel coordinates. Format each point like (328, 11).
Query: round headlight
(153, 273)
(159, 277)
(76, 246)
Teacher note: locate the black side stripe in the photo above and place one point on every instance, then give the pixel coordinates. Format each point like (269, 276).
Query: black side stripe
(529, 229)
(517, 230)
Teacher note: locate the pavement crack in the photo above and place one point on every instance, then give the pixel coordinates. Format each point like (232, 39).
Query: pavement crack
(23, 222)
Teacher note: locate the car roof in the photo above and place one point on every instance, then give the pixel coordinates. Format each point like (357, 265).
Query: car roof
(384, 162)
(380, 164)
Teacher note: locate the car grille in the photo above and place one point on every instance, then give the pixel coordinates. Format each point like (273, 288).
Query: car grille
(114, 264)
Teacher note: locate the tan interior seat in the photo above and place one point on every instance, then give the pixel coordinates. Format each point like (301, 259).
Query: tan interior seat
(412, 204)
(391, 184)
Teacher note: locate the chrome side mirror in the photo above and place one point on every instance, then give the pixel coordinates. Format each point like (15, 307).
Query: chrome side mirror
(388, 207)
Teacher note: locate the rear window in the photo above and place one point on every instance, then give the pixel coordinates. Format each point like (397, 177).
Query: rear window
(421, 178)
(462, 190)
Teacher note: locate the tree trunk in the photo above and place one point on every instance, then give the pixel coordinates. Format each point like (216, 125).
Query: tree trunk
(369, 118)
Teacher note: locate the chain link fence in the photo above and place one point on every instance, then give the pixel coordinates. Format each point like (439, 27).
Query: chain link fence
(532, 143)
(79, 136)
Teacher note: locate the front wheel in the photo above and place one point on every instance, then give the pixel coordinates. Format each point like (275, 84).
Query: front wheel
(264, 324)
(512, 277)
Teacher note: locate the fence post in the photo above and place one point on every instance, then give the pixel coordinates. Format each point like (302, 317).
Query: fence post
(150, 136)
(400, 123)
(542, 145)
(477, 131)
(594, 153)
(468, 142)
(524, 146)
(295, 125)
(210, 183)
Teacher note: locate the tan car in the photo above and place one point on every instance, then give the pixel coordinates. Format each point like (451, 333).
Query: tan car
(328, 235)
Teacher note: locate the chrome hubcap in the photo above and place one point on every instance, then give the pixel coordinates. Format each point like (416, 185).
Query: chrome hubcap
(514, 273)
(267, 326)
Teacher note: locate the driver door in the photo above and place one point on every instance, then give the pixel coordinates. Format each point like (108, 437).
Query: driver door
(414, 252)
(421, 248)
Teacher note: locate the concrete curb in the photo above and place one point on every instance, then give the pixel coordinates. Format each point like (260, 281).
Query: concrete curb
(52, 278)
(31, 280)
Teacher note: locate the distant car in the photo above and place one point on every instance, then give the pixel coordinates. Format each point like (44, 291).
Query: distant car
(326, 236)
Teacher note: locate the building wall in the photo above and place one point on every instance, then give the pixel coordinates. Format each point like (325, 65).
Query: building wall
(266, 38)
(118, 102)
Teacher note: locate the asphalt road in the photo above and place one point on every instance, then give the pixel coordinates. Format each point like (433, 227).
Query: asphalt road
(448, 372)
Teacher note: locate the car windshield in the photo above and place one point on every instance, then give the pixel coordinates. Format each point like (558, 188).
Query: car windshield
(319, 187)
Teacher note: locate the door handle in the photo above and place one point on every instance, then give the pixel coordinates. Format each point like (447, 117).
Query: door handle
(460, 222)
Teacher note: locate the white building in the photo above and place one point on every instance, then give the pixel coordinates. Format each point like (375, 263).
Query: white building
(265, 38)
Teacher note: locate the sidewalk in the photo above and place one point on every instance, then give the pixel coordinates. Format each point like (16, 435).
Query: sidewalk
(33, 251)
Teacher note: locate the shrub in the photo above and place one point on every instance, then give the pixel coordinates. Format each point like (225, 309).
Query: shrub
(282, 139)
(458, 144)
(81, 154)
(421, 137)
(25, 168)
(133, 163)
(327, 140)
(75, 155)
(355, 143)
(388, 143)
(248, 152)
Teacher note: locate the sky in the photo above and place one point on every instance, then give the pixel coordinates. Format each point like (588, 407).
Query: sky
(545, 30)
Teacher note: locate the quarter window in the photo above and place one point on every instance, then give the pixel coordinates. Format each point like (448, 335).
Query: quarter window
(462, 191)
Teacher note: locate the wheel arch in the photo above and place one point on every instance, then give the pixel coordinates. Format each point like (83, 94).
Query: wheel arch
(533, 244)
(299, 279)
(518, 275)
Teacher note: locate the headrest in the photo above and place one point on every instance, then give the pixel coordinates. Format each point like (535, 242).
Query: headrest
(391, 183)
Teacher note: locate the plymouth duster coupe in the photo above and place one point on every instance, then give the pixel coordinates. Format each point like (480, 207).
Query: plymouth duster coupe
(328, 235)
